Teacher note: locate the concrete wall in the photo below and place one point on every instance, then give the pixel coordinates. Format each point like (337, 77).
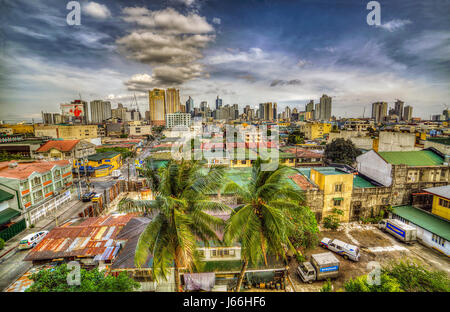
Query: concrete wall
(373, 166)
(444, 149)
(358, 138)
(397, 141)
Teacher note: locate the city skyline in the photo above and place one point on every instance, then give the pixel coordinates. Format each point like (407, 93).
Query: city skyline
(316, 48)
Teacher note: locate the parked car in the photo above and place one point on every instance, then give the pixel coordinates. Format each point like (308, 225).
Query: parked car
(322, 266)
(341, 248)
(32, 240)
(96, 198)
(402, 231)
(87, 196)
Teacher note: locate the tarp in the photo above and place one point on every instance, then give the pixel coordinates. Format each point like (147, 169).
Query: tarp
(199, 281)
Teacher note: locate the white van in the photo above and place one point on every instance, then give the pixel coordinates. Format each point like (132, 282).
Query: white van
(346, 250)
(32, 240)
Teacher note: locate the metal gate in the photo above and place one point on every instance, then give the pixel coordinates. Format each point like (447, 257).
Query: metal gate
(13, 230)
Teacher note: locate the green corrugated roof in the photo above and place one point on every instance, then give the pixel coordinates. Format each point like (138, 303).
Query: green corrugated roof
(414, 158)
(359, 182)
(5, 196)
(104, 155)
(7, 214)
(425, 220)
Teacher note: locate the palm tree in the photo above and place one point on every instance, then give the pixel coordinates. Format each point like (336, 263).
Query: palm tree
(181, 217)
(262, 224)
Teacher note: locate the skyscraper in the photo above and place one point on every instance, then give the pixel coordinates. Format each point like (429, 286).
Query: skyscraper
(274, 116)
(325, 108)
(100, 111)
(407, 113)
(310, 106)
(287, 111)
(379, 111)
(218, 102)
(266, 111)
(399, 109)
(203, 106)
(157, 105)
(189, 105)
(172, 101)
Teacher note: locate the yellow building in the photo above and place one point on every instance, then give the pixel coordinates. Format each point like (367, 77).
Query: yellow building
(157, 106)
(314, 130)
(69, 132)
(441, 201)
(337, 187)
(172, 100)
(100, 164)
(19, 129)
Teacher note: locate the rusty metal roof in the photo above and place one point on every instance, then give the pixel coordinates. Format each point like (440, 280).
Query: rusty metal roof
(94, 237)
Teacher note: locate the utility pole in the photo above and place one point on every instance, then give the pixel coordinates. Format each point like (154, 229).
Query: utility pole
(79, 180)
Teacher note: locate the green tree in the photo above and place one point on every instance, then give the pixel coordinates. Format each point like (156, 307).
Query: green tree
(181, 208)
(262, 224)
(332, 221)
(296, 137)
(55, 280)
(2, 243)
(360, 284)
(341, 151)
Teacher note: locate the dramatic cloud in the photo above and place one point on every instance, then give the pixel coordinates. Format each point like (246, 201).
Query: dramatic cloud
(394, 25)
(279, 82)
(168, 41)
(96, 10)
(253, 55)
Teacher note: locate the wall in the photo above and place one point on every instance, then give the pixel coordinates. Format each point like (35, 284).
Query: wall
(358, 138)
(375, 167)
(397, 141)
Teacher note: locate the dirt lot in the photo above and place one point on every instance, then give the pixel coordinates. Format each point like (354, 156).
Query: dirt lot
(375, 246)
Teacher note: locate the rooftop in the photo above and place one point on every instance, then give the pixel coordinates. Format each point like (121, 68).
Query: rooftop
(104, 155)
(413, 158)
(424, 219)
(442, 191)
(60, 145)
(95, 237)
(24, 169)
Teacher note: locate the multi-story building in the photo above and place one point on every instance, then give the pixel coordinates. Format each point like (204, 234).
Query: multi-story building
(100, 111)
(323, 108)
(310, 106)
(36, 183)
(72, 132)
(315, 130)
(137, 130)
(379, 111)
(178, 119)
(399, 109)
(157, 106)
(266, 111)
(100, 164)
(172, 101)
(218, 103)
(66, 149)
(189, 105)
(407, 113)
(120, 112)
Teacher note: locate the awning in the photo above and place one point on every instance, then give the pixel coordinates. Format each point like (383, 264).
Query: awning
(338, 198)
(199, 281)
(5, 196)
(8, 214)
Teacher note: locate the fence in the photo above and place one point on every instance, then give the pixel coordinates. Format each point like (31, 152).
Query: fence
(13, 230)
(47, 208)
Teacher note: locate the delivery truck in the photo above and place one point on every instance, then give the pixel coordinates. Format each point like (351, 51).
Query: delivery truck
(399, 229)
(322, 266)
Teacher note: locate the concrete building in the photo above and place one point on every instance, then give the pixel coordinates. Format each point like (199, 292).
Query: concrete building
(178, 119)
(100, 111)
(66, 149)
(399, 109)
(218, 102)
(36, 183)
(407, 113)
(120, 112)
(72, 132)
(314, 130)
(189, 105)
(157, 106)
(137, 130)
(323, 108)
(310, 106)
(172, 101)
(379, 111)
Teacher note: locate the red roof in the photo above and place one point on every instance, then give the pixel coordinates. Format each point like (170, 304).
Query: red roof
(24, 169)
(60, 145)
(302, 182)
(304, 153)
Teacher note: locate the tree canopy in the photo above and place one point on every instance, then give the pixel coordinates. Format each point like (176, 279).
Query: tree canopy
(55, 280)
(341, 151)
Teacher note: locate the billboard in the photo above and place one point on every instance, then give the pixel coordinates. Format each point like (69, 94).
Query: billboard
(73, 110)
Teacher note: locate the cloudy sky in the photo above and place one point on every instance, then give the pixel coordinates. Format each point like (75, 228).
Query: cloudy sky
(245, 51)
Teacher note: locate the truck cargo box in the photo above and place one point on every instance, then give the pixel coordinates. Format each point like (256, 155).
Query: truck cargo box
(326, 265)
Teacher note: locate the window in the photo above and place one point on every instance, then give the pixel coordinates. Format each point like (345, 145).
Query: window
(201, 253)
(24, 185)
(213, 253)
(337, 202)
(439, 240)
(37, 196)
(26, 199)
(338, 187)
(47, 189)
(36, 181)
